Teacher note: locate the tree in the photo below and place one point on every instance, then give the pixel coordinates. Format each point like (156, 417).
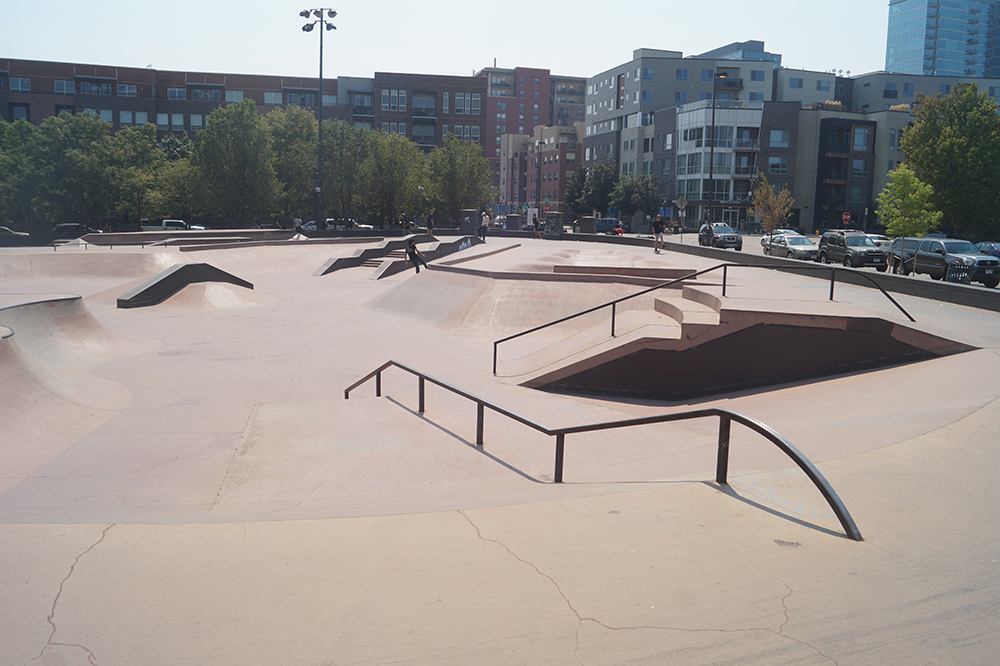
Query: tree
(394, 170)
(235, 157)
(176, 147)
(772, 205)
(293, 138)
(74, 158)
(346, 149)
(19, 180)
(136, 161)
(600, 184)
(623, 196)
(181, 190)
(460, 176)
(648, 197)
(904, 207)
(954, 146)
(575, 198)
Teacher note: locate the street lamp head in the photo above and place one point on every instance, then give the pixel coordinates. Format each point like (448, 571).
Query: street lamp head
(308, 27)
(330, 26)
(317, 13)
(304, 13)
(332, 14)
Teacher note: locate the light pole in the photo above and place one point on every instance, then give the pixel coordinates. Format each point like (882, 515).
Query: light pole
(323, 20)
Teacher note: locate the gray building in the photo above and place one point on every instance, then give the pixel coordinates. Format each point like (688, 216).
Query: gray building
(949, 38)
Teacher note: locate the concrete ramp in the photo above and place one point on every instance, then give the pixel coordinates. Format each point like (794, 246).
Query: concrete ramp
(161, 287)
(210, 296)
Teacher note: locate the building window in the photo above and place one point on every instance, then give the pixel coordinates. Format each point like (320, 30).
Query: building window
(705, 95)
(907, 90)
(647, 75)
(707, 75)
(141, 117)
(459, 103)
(65, 87)
(206, 94)
(444, 103)
(681, 74)
(476, 101)
(329, 100)
(20, 85)
(301, 99)
(859, 194)
(197, 121)
(172, 93)
(124, 118)
(501, 129)
(423, 105)
(501, 106)
(780, 138)
(126, 90)
(95, 88)
(162, 121)
(860, 169)
(794, 82)
(945, 88)
(862, 139)
(777, 165)
(234, 96)
(756, 75)
(177, 122)
(823, 86)
(272, 98)
(756, 97)
(680, 97)
(647, 96)
(19, 112)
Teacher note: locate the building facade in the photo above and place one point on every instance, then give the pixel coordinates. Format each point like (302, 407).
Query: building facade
(944, 38)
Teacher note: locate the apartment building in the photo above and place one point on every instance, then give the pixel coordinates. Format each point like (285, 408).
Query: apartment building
(944, 38)
(536, 169)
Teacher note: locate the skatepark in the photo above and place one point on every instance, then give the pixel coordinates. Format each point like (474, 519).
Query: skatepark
(185, 482)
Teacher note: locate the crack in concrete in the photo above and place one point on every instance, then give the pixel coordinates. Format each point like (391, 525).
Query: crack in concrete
(50, 642)
(582, 619)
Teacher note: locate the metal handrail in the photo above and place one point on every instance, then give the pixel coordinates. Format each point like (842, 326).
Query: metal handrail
(726, 417)
(725, 271)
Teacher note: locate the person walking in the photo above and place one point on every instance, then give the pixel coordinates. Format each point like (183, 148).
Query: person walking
(483, 227)
(657, 233)
(415, 256)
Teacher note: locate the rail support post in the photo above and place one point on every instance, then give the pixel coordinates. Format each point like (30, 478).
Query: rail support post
(613, 308)
(722, 465)
(480, 418)
(378, 385)
(560, 449)
(725, 275)
(833, 280)
(420, 383)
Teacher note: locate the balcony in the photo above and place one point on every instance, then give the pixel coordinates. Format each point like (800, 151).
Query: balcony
(746, 171)
(728, 82)
(364, 111)
(427, 115)
(747, 144)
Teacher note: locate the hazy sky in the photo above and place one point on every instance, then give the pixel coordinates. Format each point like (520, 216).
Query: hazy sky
(454, 37)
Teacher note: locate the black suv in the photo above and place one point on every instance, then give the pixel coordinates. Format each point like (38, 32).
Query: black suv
(719, 235)
(851, 248)
(940, 256)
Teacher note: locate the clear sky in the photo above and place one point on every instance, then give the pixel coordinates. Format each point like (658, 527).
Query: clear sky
(456, 37)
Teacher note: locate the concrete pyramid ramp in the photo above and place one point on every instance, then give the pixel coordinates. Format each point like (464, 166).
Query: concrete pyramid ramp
(209, 296)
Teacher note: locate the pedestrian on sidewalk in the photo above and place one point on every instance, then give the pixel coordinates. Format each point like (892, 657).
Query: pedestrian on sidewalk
(415, 256)
(657, 233)
(483, 227)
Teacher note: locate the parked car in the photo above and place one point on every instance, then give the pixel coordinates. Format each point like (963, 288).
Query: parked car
(792, 246)
(990, 247)
(766, 238)
(880, 240)
(718, 234)
(72, 230)
(901, 255)
(851, 248)
(937, 256)
(5, 231)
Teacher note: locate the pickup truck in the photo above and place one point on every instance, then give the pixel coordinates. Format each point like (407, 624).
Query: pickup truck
(168, 225)
(938, 256)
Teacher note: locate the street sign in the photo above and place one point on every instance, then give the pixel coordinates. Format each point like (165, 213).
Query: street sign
(545, 208)
(681, 203)
(846, 217)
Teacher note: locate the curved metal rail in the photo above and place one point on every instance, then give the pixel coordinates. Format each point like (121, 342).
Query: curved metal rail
(726, 418)
(725, 273)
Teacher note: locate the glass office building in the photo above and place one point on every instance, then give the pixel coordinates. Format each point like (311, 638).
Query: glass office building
(944, 38)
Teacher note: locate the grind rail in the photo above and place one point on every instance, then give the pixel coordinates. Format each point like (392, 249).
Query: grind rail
(725, 274)
(726, 419)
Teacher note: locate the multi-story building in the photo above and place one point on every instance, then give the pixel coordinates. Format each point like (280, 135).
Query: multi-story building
(424, 108)
(537, 169)
(567, 100)
(944, 38)
(880, 91)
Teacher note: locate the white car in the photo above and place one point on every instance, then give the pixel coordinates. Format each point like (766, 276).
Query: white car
(792, 246)
(880, 240)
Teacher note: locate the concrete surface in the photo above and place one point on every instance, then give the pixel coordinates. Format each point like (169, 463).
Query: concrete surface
(185, 484)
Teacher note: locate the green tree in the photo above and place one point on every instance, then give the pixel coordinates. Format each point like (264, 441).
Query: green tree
(75, 159)
(395, 168)
(176, 146)
(904, 207)
(601, 180)
(460, 176)
(346, 151)
(954, 146)
(647, 195)
(575, 190)
(293, 137)
(623, 196)
(136, 162)
(773, 205)
(235, 157)
(181, 191)
(19, 180)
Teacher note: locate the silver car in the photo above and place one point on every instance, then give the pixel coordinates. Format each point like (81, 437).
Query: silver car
(791, 246)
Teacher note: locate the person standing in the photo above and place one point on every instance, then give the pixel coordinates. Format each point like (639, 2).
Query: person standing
(297, 224)
(415, 256)
(430, 222)
(657, 233)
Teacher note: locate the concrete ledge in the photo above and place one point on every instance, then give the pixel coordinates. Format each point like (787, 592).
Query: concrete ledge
(161, 287)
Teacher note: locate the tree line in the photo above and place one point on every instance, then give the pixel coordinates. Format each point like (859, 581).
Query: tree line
(245, 167)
